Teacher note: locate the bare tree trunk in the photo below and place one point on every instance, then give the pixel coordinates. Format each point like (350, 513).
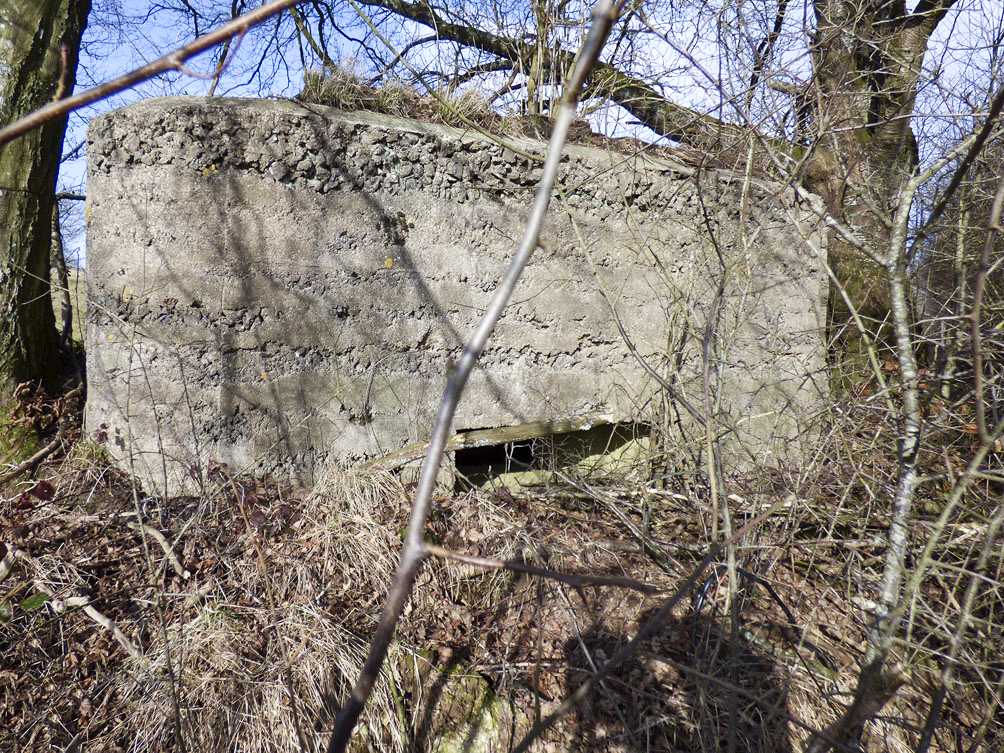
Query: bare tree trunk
(39, 42)
(868, 59)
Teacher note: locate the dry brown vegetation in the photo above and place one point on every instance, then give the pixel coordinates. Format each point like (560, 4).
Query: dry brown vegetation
(344, 88)
(237, 620)
(247, 635)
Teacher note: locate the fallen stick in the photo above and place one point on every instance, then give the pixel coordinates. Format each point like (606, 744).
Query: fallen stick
(165, 545)
(60, 605)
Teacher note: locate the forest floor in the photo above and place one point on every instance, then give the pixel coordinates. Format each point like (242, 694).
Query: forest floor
(237, 620)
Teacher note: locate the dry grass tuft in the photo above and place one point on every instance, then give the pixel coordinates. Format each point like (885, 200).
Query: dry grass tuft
(344, 88)
(225, 668)
(284, 669)
(230, 684)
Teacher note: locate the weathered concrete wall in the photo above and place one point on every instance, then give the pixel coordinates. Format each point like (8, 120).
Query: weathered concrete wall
(271, 285)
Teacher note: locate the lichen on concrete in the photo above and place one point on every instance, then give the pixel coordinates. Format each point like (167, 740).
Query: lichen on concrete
(481, 719)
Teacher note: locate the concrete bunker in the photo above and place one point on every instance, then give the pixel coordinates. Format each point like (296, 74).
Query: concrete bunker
(274, 286)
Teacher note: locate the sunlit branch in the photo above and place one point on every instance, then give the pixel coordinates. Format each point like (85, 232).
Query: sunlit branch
(173, 61)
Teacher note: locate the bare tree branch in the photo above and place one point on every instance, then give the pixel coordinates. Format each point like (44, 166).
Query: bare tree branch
(643, 101)
(576, 581)
(172, 61)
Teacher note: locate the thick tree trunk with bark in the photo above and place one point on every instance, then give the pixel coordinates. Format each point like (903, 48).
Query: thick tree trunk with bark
(39, 42)
(867, 59)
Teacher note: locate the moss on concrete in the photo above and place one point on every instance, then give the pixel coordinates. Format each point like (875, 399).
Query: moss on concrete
(479, 717)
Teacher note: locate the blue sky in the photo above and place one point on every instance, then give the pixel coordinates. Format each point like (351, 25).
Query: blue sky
(124, 34)
(121, 36)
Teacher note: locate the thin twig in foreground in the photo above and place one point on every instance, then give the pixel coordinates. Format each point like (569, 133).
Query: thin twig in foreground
(414, 553)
